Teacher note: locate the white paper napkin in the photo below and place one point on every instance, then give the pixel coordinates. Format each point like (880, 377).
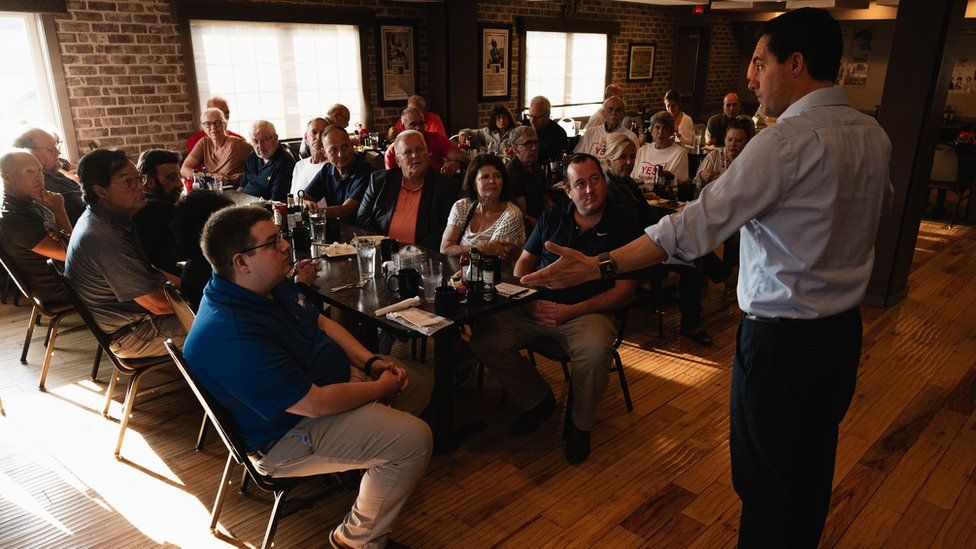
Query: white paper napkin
(405, 304)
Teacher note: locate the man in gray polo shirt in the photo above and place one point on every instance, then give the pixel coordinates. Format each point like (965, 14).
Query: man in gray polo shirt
(107, 266)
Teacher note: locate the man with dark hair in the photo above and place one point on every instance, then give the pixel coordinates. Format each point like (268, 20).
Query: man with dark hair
(107, 266)
(44, 147)
(305, 396)
(33, 224)
(161, 183)
(343, 181)
(807, 250)
(580, 318)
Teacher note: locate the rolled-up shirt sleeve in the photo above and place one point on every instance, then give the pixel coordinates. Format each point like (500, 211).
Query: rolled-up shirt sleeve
(753, 183)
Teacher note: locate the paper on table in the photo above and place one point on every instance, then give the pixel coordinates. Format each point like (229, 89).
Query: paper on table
(405, 304)
(419, 320)
(505, 289)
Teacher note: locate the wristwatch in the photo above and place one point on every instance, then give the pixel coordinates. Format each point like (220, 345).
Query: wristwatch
(608, 269)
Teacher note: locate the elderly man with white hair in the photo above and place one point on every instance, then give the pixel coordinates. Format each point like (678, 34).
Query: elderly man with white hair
(220, 153)
(267, 169)
(410, 202)
(552, 137)
(594, 140)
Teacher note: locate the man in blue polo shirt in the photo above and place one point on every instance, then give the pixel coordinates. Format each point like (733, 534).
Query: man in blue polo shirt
(306, 397)
(343, 180)
(580, 318)
(268, 168)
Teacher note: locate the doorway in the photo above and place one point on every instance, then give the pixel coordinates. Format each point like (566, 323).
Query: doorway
(690, 67)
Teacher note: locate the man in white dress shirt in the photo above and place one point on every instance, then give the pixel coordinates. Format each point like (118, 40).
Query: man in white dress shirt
(806, 196)
(307, 168)
(593, 141)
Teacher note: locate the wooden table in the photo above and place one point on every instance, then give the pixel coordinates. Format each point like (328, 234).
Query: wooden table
(362, 304)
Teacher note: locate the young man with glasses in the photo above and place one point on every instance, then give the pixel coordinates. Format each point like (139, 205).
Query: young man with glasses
(107, 266)
(44, 147)
(305, 396)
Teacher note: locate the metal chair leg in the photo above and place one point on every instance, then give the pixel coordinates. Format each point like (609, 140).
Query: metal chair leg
(566, 375)
(53, 332)
(275, 517)
(110, 391)
(130, 397)
(30, 333)
(202, 436)
(96, 362)
(413, 348)
(47, 336)
(423, 350)
(623, 381)
(245, 481)
(221, 492)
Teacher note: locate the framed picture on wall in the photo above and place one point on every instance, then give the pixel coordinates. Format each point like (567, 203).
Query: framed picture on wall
(495, 53)
(640, 61)
(396, 55)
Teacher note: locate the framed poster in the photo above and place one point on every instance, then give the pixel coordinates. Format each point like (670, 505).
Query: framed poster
(396, 55)
(640, 61)
(495, 53)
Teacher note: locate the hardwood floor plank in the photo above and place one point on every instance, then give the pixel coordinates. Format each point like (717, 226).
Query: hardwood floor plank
(917, 527)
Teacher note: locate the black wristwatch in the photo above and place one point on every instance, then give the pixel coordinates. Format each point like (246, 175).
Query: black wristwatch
(368, 365)
(608, 269)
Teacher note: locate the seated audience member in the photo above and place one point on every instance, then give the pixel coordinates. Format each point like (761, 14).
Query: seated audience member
(432, 122)
(580, 318)
(597, 119)
(213, 103)
(189, 216)
(486, 218)
(444, 156)
(160, 171)
(621, 153)
(683, 124)
(34, 225)
(267, 169)
(530, 189)
(307, 168)
(305, 396)
(343, 181)
(715, 129)
(738, 133)
(661, 151)
(221, 154)
(338, 115)
(412, 202)
(593, 141)
(44, 147)
(552, 137)
(106, 265)
(494, 138)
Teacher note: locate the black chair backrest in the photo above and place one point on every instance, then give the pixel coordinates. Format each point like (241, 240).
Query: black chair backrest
(20, 281)
(218, 416)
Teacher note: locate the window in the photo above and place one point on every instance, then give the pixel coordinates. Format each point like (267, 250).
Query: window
(568, 68)
(27, 97)
(281, 72)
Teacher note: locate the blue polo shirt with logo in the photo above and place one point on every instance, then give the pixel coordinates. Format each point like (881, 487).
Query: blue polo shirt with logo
(617, 226)
(259, 356)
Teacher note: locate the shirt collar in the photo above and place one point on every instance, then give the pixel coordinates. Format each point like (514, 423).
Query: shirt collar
(100, 210)
(832, 96)
(220, 286)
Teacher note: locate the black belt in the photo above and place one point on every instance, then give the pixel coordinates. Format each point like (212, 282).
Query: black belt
(799, 321)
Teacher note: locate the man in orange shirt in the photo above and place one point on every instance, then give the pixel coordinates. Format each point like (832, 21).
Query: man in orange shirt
(444, 156)
(432, 122)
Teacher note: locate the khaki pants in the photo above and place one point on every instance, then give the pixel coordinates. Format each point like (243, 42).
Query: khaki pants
(588, 340)
(391, 444)
(145, 339)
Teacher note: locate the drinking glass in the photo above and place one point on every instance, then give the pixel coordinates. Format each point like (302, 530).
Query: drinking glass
(431, 274)
(366, 254)
(318, 227)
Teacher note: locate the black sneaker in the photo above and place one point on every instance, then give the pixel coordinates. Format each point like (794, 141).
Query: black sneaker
(529, 421)
(577, 444)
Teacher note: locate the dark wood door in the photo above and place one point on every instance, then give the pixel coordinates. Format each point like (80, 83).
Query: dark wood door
(688, 71)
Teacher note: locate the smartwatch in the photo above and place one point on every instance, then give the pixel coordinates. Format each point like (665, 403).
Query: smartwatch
(608, 269)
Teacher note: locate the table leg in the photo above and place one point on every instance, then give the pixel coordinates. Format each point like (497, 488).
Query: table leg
(446, 436)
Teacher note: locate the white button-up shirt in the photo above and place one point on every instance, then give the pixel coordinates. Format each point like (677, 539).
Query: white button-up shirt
(806, 196)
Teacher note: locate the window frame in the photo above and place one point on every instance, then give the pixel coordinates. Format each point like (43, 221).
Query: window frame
(539, 24)
(222, 10)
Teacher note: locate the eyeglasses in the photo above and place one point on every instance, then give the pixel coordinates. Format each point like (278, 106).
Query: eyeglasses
(214, 124)
(528, 144)
(276, 241)
(53, 150)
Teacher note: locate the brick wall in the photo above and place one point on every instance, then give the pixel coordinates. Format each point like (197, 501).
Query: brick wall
(638, 23)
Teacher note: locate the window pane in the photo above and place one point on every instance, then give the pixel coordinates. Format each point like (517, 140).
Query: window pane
(567, 68)
(281, 72)
(26, 94)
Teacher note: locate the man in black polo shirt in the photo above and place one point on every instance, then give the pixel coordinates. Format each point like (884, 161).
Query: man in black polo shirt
(343, 180)
(552, 137)
(580, 318)
(529, 184)
(267, 169)
(160, 171)
(33, 224)
(44, 147)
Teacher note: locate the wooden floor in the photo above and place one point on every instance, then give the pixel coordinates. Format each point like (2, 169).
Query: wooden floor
(657, 477)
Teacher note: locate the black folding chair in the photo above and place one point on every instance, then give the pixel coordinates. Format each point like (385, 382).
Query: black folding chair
(53, 311)
(136, 368)
(186, 317)
(236, 453)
